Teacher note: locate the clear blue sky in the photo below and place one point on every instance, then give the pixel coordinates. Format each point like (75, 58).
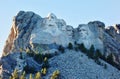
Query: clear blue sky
(74, 12)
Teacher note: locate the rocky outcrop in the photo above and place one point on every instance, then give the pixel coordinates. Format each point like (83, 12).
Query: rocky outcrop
(114, 32)
(14, 61)
(91, 34)
(10, 40)
(8, 63)
(31, 31)
(22, 26)
(112, 41)
(50, 31)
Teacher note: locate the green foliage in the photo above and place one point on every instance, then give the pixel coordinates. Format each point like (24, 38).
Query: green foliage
(38, 58)
(9, 77)
(76, 48)
(45, 66)
(92, 49)
(98, 62)
(105, 66)
(61, 48)
(91, 52)
(55, 74)
(28, 69)
(103, 57)
(29, 52)
(97, 54)
(70, 46)
(81, 55)
(21, 56)
(48, 55)
(110, 58)
(82, 47)
(30, 76)
(56, 53)
(75, 42)
(20, 49)
(14, 75)
(44, 71)
(38, 75)
(45, 63)
(96, 77)
(23, 76)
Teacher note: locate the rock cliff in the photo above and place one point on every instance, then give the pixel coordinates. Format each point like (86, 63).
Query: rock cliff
(38, 34)
(29, 29)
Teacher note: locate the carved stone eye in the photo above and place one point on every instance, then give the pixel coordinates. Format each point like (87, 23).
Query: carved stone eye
(83, 30)
(50, 25)
(52, 17)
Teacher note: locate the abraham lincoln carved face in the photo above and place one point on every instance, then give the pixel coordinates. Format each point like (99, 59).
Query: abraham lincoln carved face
(83, 31)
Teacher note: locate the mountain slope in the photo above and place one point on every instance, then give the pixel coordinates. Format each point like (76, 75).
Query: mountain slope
(76, 65)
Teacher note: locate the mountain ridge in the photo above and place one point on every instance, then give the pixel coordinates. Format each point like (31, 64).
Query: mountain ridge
(31, 32)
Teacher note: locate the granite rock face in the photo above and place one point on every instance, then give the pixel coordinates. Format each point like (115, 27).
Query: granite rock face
(22, 26)
(114, 32)
(91, 34)
(50, 31)
(31, 31)
(112, 41)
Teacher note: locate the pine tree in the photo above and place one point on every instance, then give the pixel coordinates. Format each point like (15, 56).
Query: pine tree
(82, 47)
(21, 56)
(91, 51)
(97, 54)
(23, 75)
(38, 75)
(45, 63)
(55, 74)
(70, 46)
(15, 74)
(110, 58)
(44, 71)
(38, 57)
(105, 66)
(75, 42)
(9, 77)
(30, 76)
(61, 48)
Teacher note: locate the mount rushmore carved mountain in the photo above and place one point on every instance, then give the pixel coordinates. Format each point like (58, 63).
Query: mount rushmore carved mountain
(34, 39)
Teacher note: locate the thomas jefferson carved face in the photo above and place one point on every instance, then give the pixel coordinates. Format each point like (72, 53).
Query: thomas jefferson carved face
(69, 30)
